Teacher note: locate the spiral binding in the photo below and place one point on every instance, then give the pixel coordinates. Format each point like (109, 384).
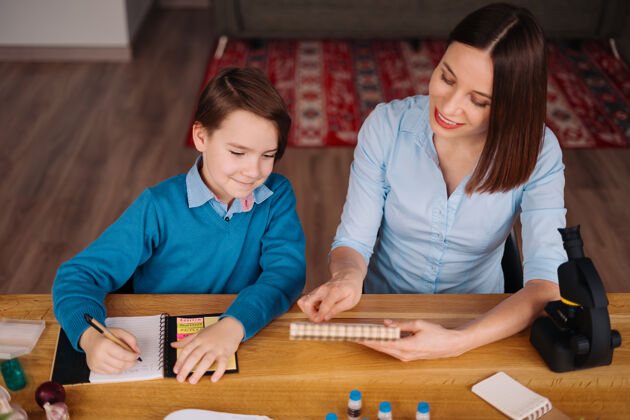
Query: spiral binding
(163, 354)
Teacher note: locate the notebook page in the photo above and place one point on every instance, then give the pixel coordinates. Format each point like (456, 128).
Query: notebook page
(146, 329)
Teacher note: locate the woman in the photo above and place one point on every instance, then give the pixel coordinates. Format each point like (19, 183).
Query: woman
(437, 183)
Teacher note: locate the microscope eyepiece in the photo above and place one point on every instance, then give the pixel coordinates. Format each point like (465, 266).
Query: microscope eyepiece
(573, 243)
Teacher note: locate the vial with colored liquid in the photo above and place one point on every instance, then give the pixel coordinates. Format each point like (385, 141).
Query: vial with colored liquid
(354, 405)
(385, 411)
(13, 374)
(423, 411)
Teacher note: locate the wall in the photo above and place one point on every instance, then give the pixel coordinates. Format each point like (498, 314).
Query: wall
(28, 27)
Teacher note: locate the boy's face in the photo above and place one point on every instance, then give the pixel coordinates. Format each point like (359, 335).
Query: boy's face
(238, 156)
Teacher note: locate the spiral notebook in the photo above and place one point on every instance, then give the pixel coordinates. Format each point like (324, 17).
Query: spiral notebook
(154, 334)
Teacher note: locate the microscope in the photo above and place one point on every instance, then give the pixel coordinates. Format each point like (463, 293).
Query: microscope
(576, 334)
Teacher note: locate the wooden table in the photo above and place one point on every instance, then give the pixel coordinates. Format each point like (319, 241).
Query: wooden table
(286, 379)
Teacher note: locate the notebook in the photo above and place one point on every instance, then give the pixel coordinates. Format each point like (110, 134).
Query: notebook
(336, 331)
(511, 397)
(154, 334)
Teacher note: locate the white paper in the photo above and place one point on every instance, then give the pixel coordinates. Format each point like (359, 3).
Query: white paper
(191, 414)
(146, 329)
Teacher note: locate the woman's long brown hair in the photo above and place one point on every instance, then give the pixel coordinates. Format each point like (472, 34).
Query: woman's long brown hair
(519, 94)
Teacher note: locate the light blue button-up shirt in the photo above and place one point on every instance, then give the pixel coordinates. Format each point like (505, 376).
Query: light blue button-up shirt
(199, 194)
(433, 243)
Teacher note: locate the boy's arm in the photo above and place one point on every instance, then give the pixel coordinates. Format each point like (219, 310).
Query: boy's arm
(283, 266)
(104, 266)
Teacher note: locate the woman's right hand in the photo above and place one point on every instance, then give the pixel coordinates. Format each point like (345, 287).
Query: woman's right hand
(342, 291)
(105, 356)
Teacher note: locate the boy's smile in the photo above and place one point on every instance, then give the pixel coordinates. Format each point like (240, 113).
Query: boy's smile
(238, 156)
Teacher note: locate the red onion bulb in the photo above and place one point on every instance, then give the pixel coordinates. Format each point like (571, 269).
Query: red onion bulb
(50, 392)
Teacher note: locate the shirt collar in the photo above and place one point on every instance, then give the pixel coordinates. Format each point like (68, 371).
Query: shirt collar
(416, 120)
(199, 193)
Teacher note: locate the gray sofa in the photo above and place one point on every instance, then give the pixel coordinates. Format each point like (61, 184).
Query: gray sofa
(413, 19)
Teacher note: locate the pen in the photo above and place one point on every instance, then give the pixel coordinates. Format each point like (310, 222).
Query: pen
(101, 329)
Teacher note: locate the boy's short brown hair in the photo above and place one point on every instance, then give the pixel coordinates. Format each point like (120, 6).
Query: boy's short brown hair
(246, 88)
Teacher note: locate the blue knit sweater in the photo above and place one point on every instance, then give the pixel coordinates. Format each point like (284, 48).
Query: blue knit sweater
(169, 247)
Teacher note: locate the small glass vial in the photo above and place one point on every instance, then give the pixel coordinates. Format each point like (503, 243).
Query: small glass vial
(385, 411)
(423, 411)
(354, 405)
(13, 374)
(331, 416)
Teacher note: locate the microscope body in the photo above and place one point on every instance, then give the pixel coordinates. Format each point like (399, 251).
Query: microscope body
(576, 334)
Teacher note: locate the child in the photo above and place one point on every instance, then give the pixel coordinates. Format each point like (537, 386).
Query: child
(228, 226)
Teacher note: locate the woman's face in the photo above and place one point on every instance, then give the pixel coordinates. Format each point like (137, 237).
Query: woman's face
(459, 93)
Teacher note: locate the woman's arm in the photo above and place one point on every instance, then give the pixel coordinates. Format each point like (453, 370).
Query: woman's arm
(362, 215)
(432, 341)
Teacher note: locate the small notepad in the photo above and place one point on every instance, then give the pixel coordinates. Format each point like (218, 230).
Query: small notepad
(512, 398)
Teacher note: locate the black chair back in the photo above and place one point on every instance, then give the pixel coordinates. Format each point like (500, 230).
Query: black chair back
(512, 265)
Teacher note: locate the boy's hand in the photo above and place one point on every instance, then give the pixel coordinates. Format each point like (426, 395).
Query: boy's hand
(105, 356)
(216, 343)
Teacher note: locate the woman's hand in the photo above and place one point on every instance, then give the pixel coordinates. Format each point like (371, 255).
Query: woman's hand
(105, 356)
(339, 294)
(427, 341)
(342, 291)
(215, 343)
(432, 341)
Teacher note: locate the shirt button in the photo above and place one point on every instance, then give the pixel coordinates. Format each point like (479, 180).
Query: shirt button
(227, 219)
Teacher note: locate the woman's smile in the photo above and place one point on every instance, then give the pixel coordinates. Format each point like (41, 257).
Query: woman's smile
(444, 122)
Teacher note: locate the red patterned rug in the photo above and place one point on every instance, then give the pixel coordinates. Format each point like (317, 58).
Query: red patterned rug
(331, 86)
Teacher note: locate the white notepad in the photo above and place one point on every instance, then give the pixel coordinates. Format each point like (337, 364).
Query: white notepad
(147, 332)
(194, 414)
(512, 398)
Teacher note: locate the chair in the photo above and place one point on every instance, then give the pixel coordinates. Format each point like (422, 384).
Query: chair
(128, 287)
(511, 265)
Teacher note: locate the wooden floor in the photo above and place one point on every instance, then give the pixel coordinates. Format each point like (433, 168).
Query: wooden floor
(79, 141)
